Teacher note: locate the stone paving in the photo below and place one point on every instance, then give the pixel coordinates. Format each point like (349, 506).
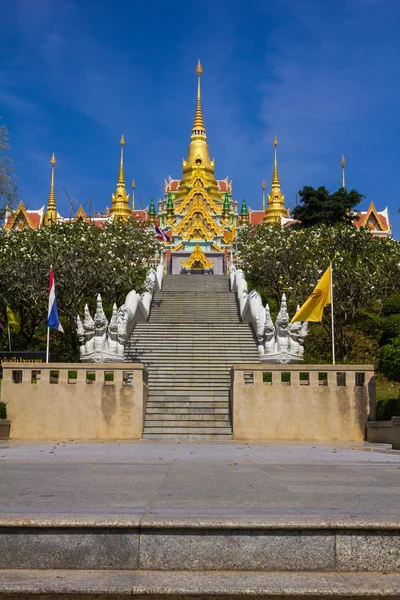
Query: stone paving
(227, 479)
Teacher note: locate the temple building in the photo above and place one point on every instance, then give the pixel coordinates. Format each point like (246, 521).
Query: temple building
(198, 213)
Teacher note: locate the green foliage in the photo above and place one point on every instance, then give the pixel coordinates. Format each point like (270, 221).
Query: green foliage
(390, 360)
(283, 260)
(86, 261)
(320, 207)
(390, 328)
(3, 410)
(386, 409)
(392, 305)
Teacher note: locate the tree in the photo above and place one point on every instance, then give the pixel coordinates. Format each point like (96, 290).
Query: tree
(320, 207)
(366, 270)
(86, 260)
(8, 177)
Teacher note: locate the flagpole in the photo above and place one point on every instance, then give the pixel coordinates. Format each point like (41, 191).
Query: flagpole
(332, 317)
(48, 345)
(9, 332)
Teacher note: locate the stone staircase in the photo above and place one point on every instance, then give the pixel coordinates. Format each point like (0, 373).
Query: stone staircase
(189, 344)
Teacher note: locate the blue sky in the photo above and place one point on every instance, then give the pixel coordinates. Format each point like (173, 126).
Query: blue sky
(323, 75)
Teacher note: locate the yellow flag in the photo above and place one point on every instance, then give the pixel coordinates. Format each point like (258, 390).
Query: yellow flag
(313, 307)
(13, 320)
(233, 231)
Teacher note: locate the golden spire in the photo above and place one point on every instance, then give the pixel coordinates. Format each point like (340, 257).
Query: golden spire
(263, 187)
(198, 125)
(120, 200)
(198, 163)
(343, 164)
(121, 174)
(51, 213)
(276, 200)
(133, 186)
(275, 174)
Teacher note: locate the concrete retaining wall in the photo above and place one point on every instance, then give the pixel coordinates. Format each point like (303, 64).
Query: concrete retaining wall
(302, 402)
(384, 432)
(61, 401)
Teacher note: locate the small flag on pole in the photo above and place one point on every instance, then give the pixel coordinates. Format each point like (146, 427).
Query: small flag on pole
(161, 235)
(13, 321)
(53, 321)
(2, 326)
(313, 307)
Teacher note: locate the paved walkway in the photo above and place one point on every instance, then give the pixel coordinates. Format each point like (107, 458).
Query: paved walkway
(200, 479)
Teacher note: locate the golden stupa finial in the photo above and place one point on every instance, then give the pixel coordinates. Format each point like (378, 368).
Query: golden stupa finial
(121, 174)
(133, 186)
(263, 187)
(275, 174)
(198, 125)
(51, 213)
(343, 164)
(276, 200)
(120, 200)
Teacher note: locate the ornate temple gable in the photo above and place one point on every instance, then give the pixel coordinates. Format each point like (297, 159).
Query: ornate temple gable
(81, 215)
(197, 223)
(377, 222)
(23, 219)
(199, 189)
(198, 260)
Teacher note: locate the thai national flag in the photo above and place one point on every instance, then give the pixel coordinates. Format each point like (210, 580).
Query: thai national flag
(161, 235)
(1, 328)
(52, 317)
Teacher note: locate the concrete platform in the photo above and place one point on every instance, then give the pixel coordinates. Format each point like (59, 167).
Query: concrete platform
(117, 585)
(205, 521)
(200, 479)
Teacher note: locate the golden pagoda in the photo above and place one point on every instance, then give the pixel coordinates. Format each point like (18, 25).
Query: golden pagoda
(120, 200)
(276, 200)
(198, 209)
(51, 213)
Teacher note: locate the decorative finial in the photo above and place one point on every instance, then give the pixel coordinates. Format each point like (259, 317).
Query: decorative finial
(275, 175)
(120, 200)
(199, 69)
(51, 213)
(263, 187)
(133, 184)
(343, 164)
(276, 201)
(198, 125)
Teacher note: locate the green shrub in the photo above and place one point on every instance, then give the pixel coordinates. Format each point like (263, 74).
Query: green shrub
(3, 410)
(392, 305)
(386, 409)
(390, 360)
(390, 328)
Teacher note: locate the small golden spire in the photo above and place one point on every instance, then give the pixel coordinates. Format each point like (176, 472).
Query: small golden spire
(276, 200)
(133, 186)
(198, 125)
(51, 213)
(263, 187)
(275, 174)
(120, 200)
(343, 164)
(121, 174)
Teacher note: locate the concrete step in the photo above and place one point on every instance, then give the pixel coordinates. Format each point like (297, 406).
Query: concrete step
(176, 585)
(202, 410)
(195, 428)
(169, 418)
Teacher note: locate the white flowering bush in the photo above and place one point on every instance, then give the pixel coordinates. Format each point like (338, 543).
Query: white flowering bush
(86, 260)
(366, 270)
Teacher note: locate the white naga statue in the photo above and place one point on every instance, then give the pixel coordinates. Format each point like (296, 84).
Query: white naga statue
(103, 341)
(280, 343)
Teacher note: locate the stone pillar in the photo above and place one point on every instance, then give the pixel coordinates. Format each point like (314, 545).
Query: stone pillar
(396, 433)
